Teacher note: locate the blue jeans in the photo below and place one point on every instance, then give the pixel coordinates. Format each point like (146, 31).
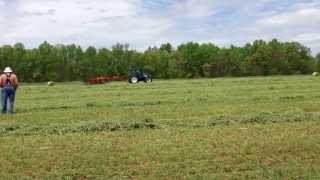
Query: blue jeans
(8, 92)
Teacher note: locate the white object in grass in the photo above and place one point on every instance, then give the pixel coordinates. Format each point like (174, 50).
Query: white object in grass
(50, 83)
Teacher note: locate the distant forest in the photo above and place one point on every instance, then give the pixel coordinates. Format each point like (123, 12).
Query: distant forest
(189, 60)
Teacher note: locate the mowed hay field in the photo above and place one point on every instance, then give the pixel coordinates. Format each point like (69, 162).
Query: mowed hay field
(240, 128)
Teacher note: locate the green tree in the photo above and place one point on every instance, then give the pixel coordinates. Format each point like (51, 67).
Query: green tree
(317, 62)
(167, 47)
(88, 64)
(299, 58)
(69, 62)
(191, 59)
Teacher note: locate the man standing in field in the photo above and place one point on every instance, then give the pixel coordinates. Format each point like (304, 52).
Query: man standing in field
(9, 84)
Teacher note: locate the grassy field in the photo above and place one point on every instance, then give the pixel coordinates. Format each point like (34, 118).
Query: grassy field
(230, 128)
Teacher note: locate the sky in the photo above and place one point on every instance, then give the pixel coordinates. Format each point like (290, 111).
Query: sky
(143, 23)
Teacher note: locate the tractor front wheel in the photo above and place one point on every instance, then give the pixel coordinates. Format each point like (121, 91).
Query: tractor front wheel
(148, 80)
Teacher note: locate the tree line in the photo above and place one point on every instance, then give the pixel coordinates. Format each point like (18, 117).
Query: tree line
(188, 60)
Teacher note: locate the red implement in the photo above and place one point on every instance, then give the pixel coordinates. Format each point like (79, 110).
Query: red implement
(105, 79)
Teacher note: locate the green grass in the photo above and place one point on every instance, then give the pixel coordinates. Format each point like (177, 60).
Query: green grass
(238, 128)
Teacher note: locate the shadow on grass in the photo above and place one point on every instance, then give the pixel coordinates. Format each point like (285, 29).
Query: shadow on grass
(12, 128)
(80, 127)
(92, 105)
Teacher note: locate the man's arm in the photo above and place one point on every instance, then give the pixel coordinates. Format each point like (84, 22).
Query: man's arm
(1, 81)
(15, 81)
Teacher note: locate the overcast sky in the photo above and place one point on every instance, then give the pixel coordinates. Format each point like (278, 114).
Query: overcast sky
(143, 23)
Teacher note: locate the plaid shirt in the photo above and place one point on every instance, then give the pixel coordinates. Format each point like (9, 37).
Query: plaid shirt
(12, 79)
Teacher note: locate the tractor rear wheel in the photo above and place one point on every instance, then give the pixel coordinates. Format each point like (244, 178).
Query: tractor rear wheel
(134, 80)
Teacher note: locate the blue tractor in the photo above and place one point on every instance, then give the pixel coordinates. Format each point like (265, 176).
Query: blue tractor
(135, 76)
